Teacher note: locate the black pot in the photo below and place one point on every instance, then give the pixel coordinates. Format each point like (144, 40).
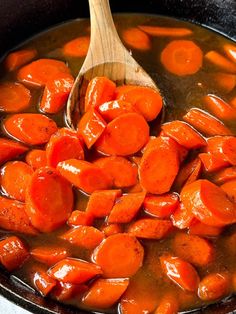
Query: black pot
(21, 19)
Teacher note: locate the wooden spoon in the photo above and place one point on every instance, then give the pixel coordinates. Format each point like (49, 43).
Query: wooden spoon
(106, 57)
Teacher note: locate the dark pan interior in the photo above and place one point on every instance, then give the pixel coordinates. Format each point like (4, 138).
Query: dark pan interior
(21, 19)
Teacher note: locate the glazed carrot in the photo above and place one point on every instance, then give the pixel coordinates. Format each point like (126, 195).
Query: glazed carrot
(13, 217)
(100, 90)
(182, 57)
(91, 126)
(41, 71)
(169, 305)
(49, 255)
(80, 218)
(84, 236)
(200, 229)
(49, 199)
(14, 97)
(230, 51)
(223, 148)
(147, 228)
(180, 272)
(161, 206)
(182, 218)
(18, 58)
(184, 134)
(126, 208)
(15, 177)
(144, 100)
(123, 89)
(101, 202)
(136, 160)
(206, 123)
(104, 293)
(115, 108)
(84, 175)
(111, 229)
(63, 145)
(115, 140)
(122, 171)
(224, 81)
(123, 248)
(36, 158)
(219, 107)
(77, 47)
(230, 189)
(136, 39)
(212, 163)
(220, 62)
(208, 203)
(13, 253)
(195, 173)
(74, 271)
(162, 31)
(213, 286)
(66, 291)
(224, 175)
(10, 149)
(42, 282)
(233, 102)
(30, 128)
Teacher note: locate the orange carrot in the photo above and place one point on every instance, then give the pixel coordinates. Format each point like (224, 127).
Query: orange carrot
(205, 123)
(169, 305)
(43, 282)
(10, 149)
(14, 97)
(224, 175)
(36, 158)
(223, 148)
(230, 189)
(80, 218)
(182, 57)
(200, 229)
(213, 286)
(219, 107)
(15, 177)
(224, 81)
(66, 291)
(122, 171)
(233, 102)
(123, 89)
(195, 173)
(212, 163)
(104, 293)
(136, 160)
(18, 58)
(115, 108)
(120, 256)
(49, 255)
(111, 229)
(162, 31)
(230, 51)
(161, 206)
(180, 272)
(182, 218)
(136, 39)
(74, 271)
(126, 208)
(13, 253)
(77, 47)
(30, 128)
(220, 62)
(49, 200)
(84, 175)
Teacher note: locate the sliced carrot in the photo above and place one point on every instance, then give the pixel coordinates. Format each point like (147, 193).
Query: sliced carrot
(101, 202)
(115, 140)
(111, 229)
(230, 189)
(208, 203)
(14, 97)
(213, 286)
(115, 108)
(137, 188)
(224, 81)
(104, 293)
(18, 58)
(63, 145)
(74, 271)
(224, 175)
(201, 229)
(13, 253)
(233, 102)
(162, 31)
(195, 174)
(206, 123)
(100, 90)
(84, 175)
(161, 206)
(80, 218)
(136, 39)
(211, 163)
(126, 208)
(15, 177)
(30, 128)
(77, 47)
(123, 89)
(42, 71)
(49, 200)
(136, 160)
(10, 149)
(219, 107)
(49, 255)
(182, 218)
(147, 228)
(122, 171)
(180, 272)
(230, 51)
(36, 158)
(219, 61)
(42, 282)
(169, 305)
(66, 291)
(123, 248)
(223, 148)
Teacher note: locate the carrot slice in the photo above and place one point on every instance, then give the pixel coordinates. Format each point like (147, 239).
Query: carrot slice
(147, 228)
(100, 90)
(223, 148)
(162, 31)
(219, 107)
(66, 291)
(182, 218)
(80, 218)
(36, 158)
(211, 163)
(122, 171)
(230, 51)
(49, 255)
(10, 149)
(74, 271)
(224, 81)
(91, 126)
(14, 97)
(126, 208)
(15, 177)
(43, 282)
(13, 253)
(49, 200)
(224, 175)
(213, 286)
(84, 175)
(18, 58)
(205, 123)
(115, 108)
(136, 39)
(111, 229)
(161, 206)
(30, 128)
(230, 189)
(208, 203)
(104, 293)
(219, 61)
(180, 272)
(200, 229)
(63, 145)
(123, 248)
(115, 140)
(233, 102)
(168, 305)
(77, 47)
(42, 71)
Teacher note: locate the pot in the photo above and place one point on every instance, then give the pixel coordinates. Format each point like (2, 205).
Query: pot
(20, 20)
